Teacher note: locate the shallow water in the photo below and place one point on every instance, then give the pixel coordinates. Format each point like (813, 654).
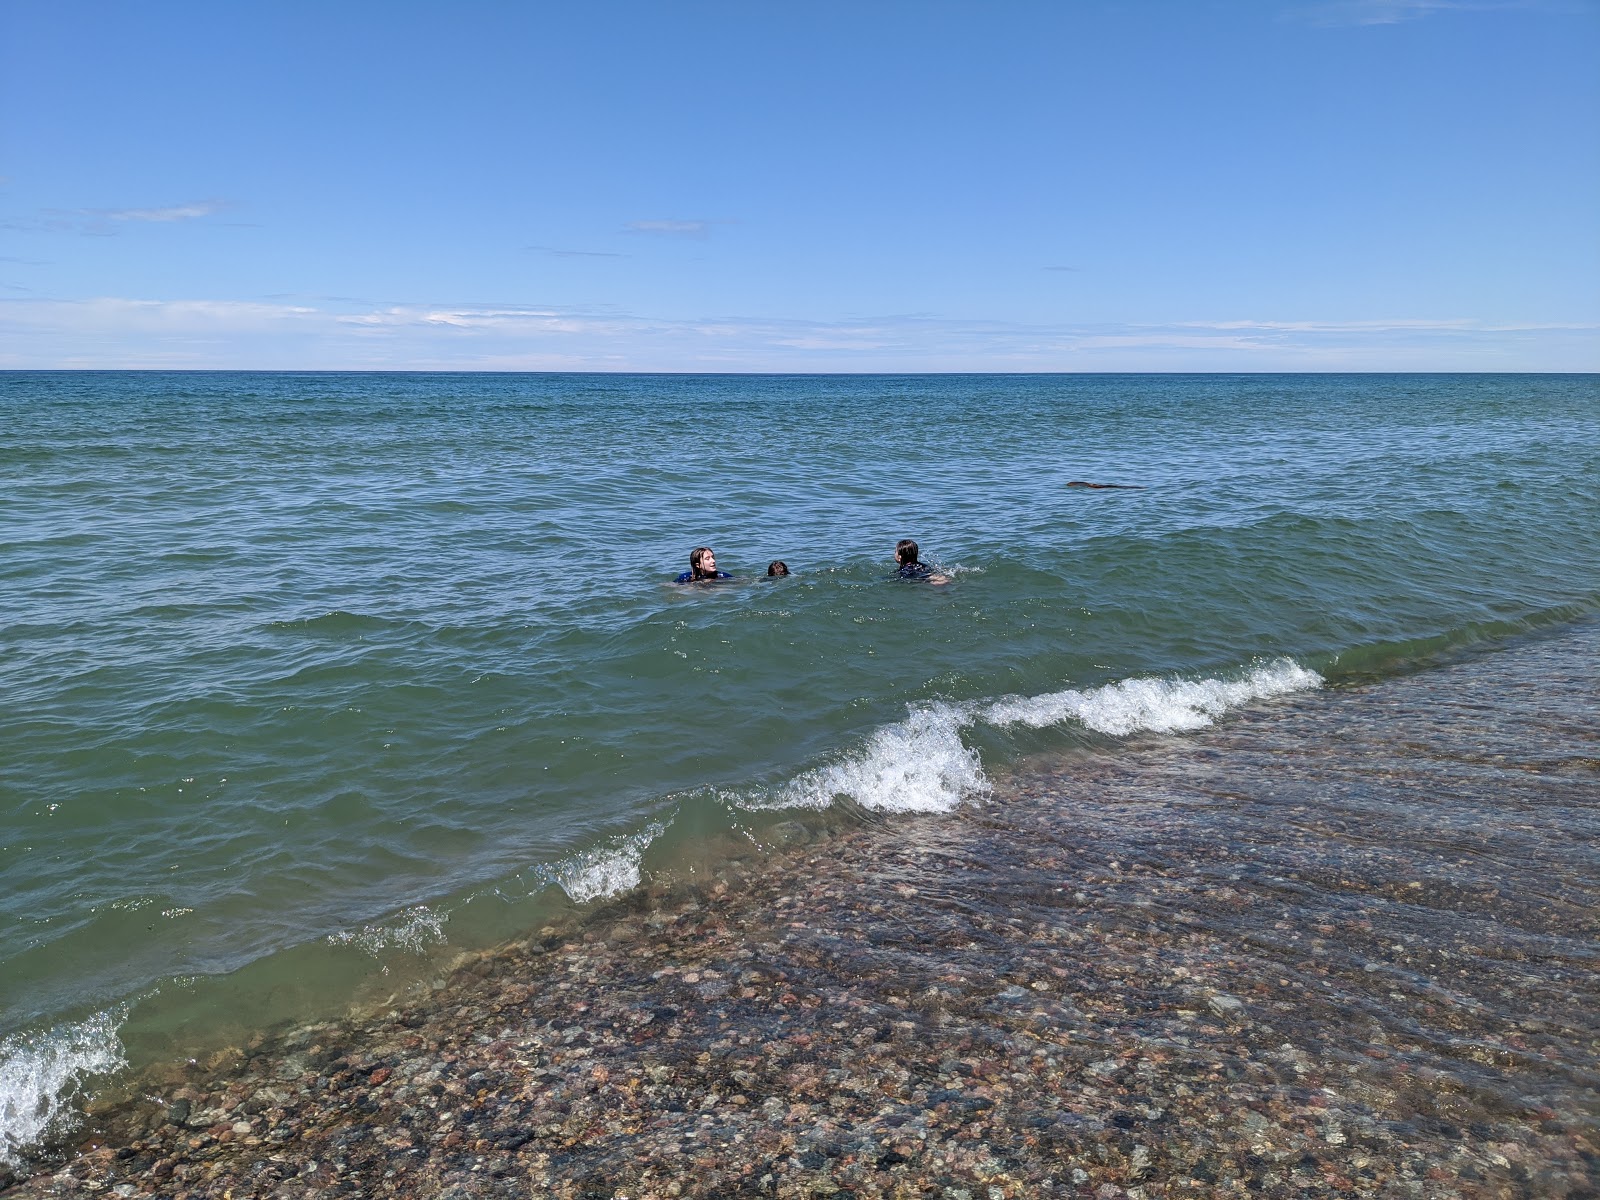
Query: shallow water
(1342, 944)
(1406, 874)
(309, 675)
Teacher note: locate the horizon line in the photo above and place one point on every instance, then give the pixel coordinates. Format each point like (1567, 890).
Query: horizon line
(723, 374)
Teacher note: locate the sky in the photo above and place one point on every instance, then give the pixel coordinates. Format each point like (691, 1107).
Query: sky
(778, 185)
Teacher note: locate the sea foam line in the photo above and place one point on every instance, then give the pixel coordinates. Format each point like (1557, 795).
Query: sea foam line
(607, 870)
(41, 1074)
(915, 765)
(921, 764)
(414, 930)
(1153, 705)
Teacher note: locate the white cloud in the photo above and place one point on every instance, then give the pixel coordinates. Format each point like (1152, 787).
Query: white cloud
(113, 332)
(1395, 12)
(1461, 326)
(103, 222)
(176, 212)
(526, 321)
(1331, 326)
(112, 315)
(692, 229)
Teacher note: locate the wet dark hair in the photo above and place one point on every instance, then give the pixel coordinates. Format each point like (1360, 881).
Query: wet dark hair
(777, 567)
(905, 552)
(696, 557)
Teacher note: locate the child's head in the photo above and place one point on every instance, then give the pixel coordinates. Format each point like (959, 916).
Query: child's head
(702, 562)
(777, 567)
(905, 552)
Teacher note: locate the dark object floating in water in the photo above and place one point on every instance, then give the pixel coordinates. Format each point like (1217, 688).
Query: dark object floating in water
(1132, 487)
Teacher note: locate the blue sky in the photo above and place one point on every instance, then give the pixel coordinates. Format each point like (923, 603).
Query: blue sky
(878, 185)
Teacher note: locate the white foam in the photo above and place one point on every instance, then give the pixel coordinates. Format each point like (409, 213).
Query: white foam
(416, 929)
(41, 1074)
(605, 870)
(921, 765)
(1157, 705)
(915, 765)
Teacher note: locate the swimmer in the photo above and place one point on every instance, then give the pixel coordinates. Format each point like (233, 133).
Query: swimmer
(909, 565)
(702, 567)
(776, 568)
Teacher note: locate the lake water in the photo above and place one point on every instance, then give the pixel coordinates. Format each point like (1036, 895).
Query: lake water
(311, 678)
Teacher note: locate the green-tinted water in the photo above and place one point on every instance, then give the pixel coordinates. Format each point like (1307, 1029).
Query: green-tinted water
(304, 670)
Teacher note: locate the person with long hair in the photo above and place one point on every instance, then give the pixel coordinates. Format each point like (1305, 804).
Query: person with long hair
(702, 567)
(909, 564)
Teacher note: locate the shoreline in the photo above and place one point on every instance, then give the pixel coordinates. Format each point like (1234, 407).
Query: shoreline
(1212, 965)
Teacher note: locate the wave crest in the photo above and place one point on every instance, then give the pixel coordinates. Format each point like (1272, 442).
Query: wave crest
(40, 1074)
(605, 870)
(921, 764)
(915, 765)
(1153, 705)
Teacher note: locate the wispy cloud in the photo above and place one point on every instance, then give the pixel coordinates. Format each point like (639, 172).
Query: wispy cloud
(689, 229)
(1332, 326)
(119, 313)
(555, 252)
(104, 222)
(173, 212)
(504, 321)
(1395, 12)
(323, 333)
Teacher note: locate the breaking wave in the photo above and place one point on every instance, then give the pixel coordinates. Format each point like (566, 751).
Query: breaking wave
(1153, 705)
(920, 764)
(604, 871)
(915, 765)
(41, 1074)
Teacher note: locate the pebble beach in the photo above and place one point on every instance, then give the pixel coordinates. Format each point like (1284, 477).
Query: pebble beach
(1342, 945)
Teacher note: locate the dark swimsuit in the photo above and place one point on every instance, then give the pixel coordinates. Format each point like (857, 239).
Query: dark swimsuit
(914, 570)
(688, 577)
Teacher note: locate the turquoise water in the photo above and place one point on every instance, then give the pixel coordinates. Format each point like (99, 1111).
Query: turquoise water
(307, 673)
